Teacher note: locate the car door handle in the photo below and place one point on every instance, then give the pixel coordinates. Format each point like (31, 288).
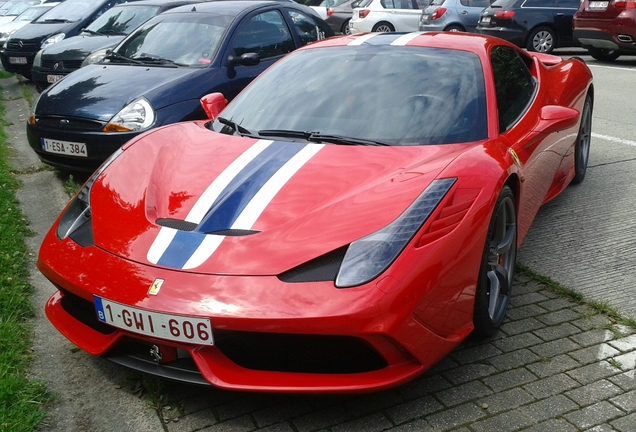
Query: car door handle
(560, 14)
(464, 12)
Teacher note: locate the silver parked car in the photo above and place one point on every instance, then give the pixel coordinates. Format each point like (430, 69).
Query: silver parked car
(452, 15)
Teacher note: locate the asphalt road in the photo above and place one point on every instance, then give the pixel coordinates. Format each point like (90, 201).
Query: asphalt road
(553, 366)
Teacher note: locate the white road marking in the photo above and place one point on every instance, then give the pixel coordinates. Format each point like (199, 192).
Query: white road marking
(612, 67)
(614, 139)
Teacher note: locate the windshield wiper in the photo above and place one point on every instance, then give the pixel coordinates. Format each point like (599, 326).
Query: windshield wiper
(156, 60)
(92, 32)
(319, 138)
(114, 55)
(240, 130)
(56, 20)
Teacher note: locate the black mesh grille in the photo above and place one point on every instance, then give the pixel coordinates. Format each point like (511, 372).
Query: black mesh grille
(83, 311)
(14, 45)
(61, 65)
(319, 354)
(322, 269)
(63, 123)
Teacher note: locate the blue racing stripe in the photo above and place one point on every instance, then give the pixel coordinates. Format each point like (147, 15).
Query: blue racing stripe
(240, 191)
(231, 202)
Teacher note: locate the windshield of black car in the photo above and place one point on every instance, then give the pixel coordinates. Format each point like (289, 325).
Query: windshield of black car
(70, 11)
(394, 95)
(122, 20)
(189, 39)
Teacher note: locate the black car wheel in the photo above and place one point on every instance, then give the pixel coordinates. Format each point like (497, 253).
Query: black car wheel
(583, 139)
(541, 39)
(494, 285)
(345, 28)
(454, 28)
(604, 54)
(383, 27)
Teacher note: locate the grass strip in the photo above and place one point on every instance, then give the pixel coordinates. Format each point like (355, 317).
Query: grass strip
(21, 400)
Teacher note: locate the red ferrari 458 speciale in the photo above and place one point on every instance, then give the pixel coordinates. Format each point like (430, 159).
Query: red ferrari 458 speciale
(341, 226)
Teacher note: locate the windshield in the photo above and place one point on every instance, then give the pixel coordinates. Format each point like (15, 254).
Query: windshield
(393, 95)
(71, 11)
(122, 20)
(199, 37)
(18, 8)
(32, 13)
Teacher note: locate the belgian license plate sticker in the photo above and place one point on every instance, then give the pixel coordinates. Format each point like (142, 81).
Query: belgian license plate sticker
(64, 147)
(178, 328)
(18, 60)
(600, 5)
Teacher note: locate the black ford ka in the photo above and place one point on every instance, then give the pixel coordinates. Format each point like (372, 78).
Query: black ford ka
(157, 75)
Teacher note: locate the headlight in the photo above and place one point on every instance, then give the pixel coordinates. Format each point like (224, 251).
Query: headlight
(368, 257)
(95, 57)
(52, 40)
(4, 36)
(75, 222)
(135, 116)
(37, 61)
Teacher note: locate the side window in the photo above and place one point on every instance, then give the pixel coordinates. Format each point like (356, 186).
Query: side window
(514, 85)
(538, 3)
(306, 27)
(265, 34)
(396, 4)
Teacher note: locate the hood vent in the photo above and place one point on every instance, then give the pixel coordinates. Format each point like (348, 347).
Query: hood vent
(182, 225)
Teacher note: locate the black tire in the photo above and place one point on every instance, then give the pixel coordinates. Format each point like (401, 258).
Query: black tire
(583, 140)
(605, 55)
(542, 39)
(383, 27)
(345, 28)
(496, 274)
(454, 28)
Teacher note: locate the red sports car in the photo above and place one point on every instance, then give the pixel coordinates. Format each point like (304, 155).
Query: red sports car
(341, 226)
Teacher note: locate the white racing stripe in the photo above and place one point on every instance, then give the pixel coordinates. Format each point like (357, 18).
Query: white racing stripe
(160, 244)
(404, 39)
(362, 39)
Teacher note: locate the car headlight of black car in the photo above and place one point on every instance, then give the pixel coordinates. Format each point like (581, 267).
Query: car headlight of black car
(367, 257)
(95, 57)
(135, 116)
(75, 223)
(52, 40)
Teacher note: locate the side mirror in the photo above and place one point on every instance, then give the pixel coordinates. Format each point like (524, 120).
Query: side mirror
(247, 59)
(555, 118)
(213, 104)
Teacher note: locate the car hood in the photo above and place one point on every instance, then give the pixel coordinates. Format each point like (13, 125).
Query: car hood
(79, 47)
(157, 203)
(37, 32)
(13, 25)
(98, 91)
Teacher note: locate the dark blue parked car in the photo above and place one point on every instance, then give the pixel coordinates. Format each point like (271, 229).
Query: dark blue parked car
(158, 74)
(63, 21)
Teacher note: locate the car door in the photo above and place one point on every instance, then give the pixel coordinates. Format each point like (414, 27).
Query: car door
(564, 14)
(405, 14)
(469, 12)
(265, 33)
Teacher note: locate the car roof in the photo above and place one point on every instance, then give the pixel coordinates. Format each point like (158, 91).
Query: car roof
(229, 7)
(158, 3)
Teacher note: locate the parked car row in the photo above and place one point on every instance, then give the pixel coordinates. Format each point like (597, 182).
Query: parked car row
(157, 74)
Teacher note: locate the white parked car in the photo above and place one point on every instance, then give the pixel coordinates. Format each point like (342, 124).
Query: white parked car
(32, 13)
(387, 16)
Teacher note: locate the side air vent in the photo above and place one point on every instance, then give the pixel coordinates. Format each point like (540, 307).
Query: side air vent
(322, 269)
(447, 218)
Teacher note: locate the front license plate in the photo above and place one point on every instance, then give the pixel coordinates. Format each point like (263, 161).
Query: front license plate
(485, 20)
(53, 78)
(598, 5)
(160, 325)
(18, 60)
(64, 147)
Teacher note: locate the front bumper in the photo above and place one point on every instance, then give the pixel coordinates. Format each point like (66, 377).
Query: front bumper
(9, 61)
(99, 145)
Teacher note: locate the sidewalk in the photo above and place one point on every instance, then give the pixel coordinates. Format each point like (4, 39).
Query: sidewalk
(555, 366)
